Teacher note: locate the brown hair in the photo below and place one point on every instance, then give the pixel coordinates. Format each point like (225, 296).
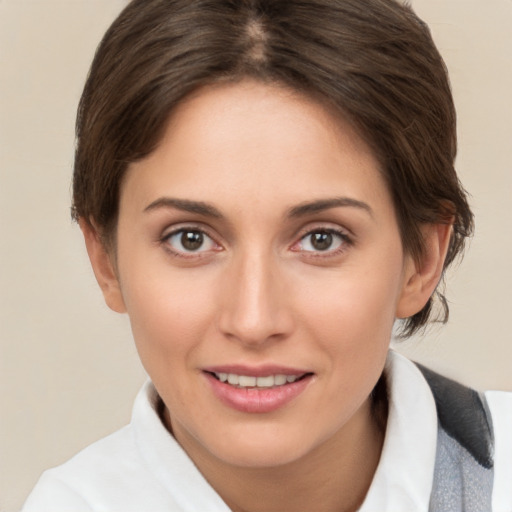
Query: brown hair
(372, 60)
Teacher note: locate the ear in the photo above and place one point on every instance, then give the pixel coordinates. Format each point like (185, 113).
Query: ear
(421, 277)
(103, 267)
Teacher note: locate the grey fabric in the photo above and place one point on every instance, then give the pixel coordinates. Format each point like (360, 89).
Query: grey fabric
(464, 415)
(461, 484)
(464, 467)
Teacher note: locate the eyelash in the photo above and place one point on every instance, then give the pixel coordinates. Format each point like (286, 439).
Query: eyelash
(345, 241)
(165, 241)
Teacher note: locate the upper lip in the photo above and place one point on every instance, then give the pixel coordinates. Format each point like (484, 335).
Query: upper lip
(256, 371)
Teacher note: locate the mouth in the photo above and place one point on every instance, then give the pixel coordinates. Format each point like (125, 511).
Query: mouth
(266, 392)
(252, 381)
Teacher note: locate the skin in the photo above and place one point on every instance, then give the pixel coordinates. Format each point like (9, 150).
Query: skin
(258, 291)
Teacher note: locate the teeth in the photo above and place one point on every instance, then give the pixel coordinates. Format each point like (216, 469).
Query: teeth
(233, 379)
(279, 380)
(265, 382)
(247, 381)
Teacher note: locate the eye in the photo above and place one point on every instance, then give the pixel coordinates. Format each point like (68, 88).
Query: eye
(322, 240)
(187, 241)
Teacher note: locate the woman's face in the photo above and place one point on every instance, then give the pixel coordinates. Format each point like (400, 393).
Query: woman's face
(259, 244)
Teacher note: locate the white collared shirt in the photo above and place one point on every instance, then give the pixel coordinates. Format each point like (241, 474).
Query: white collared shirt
(142, 468)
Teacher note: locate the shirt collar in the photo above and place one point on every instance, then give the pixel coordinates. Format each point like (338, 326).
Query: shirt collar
(404, 476)
(167, 460)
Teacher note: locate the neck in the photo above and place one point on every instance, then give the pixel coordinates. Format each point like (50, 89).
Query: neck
(335, 476)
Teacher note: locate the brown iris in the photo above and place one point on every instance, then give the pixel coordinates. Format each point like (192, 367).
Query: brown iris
(321, 241)
(192, 240)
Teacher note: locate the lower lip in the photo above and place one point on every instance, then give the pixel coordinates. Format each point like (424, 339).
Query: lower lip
(257, 400)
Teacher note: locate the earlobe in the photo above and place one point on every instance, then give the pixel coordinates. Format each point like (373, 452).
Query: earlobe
(103, 268)
(421, 277)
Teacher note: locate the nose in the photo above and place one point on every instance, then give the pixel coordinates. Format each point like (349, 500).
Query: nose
(255, 303)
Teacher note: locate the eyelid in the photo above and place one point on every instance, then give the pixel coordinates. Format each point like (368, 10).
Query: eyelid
(183, 228)
(344, 234)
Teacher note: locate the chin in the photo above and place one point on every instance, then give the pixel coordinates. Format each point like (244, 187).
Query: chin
(266, 447)
(262, 457)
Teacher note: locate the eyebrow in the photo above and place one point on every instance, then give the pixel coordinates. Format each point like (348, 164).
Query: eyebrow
(325, 204)
(300, 210)
(185, 205)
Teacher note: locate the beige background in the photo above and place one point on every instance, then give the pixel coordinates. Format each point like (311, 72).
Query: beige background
(68, 368)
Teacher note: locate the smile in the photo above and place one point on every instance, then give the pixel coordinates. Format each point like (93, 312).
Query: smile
(264, 393)
(247, 381)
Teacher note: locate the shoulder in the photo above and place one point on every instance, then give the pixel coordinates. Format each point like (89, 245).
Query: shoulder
(473, 444)
(112, 473)
(80, 482)
(480, 423)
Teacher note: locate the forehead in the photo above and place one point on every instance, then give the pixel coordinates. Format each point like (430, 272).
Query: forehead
(246, 140)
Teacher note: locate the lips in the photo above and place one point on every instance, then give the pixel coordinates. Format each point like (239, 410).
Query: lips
(261, 390)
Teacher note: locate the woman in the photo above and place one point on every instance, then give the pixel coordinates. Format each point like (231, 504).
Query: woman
(265, 187)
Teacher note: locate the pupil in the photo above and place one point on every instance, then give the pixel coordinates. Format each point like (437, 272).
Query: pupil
(192, 240)
(321, 241)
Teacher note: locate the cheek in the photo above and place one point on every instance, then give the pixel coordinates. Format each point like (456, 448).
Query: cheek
(352, 322)
(170, 313)
(168, 326)
(353, 304)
